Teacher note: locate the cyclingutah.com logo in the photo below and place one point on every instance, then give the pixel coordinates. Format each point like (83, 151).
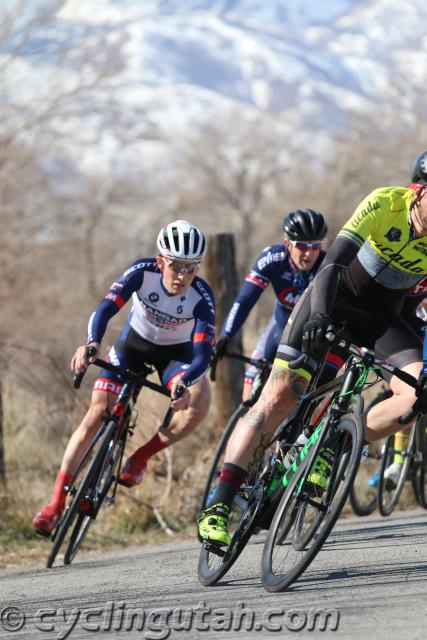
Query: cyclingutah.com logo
(158, 624)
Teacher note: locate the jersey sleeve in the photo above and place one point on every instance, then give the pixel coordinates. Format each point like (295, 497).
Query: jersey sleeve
(115, 298)
(203, 337)
(256, 281)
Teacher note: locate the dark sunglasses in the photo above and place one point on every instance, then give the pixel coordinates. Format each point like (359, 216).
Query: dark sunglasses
(182, 267)
(304, 246)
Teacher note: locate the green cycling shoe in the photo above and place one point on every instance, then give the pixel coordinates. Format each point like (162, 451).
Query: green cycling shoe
(319, 476)
(213, 525)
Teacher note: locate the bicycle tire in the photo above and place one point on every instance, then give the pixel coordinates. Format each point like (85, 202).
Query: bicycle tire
(104, 481)
(422, 473)
(364, 498)
(211, 566)
(422, 488)
(275, 578)
(386, 503)
(71, 512)
(220, 450)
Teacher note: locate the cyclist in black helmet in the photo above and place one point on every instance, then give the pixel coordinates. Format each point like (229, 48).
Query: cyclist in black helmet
(290, 267)
(419, 171)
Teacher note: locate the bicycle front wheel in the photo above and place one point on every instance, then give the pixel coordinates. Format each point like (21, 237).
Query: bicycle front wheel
(107, 474)
(306, 514)
(80, 495)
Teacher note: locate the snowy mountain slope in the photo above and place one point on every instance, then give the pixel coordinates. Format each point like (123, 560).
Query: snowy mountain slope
(178, 62)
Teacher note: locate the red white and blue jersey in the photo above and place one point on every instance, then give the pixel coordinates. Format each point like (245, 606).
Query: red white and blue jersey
(273, 266)
(160, 317)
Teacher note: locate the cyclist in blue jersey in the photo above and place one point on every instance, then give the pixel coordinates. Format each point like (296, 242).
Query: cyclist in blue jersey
(289, 267)
(171, 326)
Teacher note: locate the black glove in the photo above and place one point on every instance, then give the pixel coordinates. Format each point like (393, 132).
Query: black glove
(220, 347)
(313, 337)
(422, 387)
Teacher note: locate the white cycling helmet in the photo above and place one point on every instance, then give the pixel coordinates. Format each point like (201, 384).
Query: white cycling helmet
(181, 240)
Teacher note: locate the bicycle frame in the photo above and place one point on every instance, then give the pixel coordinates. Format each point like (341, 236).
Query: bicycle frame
(351, 382)
(343, 390)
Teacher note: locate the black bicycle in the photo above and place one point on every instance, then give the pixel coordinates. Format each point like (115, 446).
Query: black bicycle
(94, 483)
(308, 511)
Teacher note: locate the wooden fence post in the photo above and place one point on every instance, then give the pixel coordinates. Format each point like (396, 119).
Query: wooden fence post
(2, 461)
(223, 278)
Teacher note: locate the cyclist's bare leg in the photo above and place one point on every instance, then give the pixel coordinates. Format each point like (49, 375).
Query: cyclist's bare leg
(80, 440)
(382, 419)
(279, 396)
(185, 421)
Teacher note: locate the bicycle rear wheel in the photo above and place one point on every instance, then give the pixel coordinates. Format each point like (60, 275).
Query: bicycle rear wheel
(388, 492)
(214, 563)
(306, 516)
(81, 493)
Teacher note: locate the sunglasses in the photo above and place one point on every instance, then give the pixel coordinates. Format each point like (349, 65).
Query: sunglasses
(182, 267)
(305, 246)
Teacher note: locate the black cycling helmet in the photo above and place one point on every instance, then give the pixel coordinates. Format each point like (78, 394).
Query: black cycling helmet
(419, 172)
(305, 224)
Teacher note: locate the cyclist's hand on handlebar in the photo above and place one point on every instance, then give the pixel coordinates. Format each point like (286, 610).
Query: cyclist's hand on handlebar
(421, 392)
(313, 338)
(220, 347)
(79, 361)
(422, 385)
(180, 396)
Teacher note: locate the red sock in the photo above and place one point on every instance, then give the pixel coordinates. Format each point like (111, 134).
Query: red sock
(58, 496)
(138, 460)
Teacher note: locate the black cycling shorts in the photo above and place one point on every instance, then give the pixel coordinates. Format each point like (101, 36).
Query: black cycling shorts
(377, 327)
(131, 351)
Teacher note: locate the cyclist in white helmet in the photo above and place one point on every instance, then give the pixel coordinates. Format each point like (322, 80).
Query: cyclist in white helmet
(171, 326)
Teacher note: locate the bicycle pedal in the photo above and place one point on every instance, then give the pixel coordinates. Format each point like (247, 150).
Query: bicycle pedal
(212, 548)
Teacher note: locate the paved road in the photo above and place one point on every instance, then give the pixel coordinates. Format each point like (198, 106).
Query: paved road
(372, 571)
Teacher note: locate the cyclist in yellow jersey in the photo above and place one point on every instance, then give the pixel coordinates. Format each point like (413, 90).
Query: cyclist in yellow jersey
(393, 471)
(377, 258)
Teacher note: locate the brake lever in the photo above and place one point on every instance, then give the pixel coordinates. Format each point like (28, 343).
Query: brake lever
(78, 377)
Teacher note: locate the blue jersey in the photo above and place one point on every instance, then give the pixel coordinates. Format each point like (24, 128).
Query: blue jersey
(273, 266)
(160, 317)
